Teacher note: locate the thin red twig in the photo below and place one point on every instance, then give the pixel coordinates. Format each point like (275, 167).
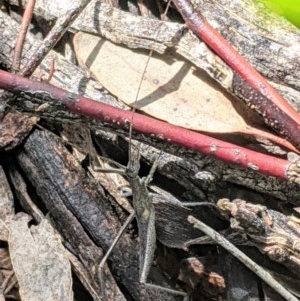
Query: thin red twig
(62, 24)
(277, 113)
(117, 118)
(22, 35)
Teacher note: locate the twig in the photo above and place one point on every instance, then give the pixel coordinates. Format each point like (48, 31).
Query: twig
(111, 117)
(274, 109)
(260, 272)
(22, 35)
(58, 30)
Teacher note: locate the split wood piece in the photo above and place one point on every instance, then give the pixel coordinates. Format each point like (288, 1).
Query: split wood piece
(158, 130)
(276, 112)
(69, 195)
(273, 233)
(77, 240)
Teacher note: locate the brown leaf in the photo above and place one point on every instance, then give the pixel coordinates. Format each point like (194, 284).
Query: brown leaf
(172, 89)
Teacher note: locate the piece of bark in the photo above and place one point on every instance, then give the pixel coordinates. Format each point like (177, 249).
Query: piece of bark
(14, 128)
(39, 260)
(273, 233)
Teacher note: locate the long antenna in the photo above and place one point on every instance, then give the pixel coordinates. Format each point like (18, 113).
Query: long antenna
(140, 85)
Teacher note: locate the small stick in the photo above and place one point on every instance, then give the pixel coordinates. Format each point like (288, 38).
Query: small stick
(22, 35)
(273, 107)
(260, 272)
(58, 30)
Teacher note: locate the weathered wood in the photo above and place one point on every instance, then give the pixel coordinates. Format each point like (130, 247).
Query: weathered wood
(273, 233)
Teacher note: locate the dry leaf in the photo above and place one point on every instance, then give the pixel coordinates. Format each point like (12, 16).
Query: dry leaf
(172, 89)
(39, 261)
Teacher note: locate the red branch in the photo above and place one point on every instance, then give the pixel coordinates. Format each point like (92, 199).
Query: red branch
(118, 118)
(287, 121)
(22, 35)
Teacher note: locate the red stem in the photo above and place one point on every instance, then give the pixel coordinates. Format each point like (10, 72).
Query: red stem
(22, 35)
(118, 118)
(197, 23)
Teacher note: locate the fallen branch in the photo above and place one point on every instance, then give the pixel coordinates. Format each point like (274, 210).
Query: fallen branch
(111, 117)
